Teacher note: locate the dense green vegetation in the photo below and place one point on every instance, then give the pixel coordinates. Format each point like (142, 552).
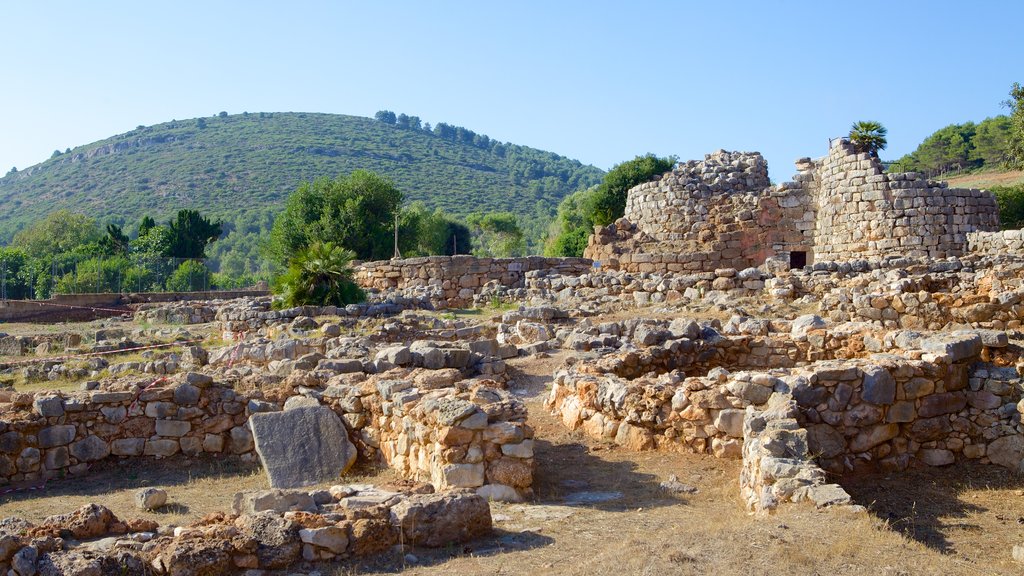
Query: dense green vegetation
(68, 253)
(1015, 148)
(599, 206)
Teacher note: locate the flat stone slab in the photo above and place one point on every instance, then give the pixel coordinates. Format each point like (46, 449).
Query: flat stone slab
(584, 498)
(302, 447)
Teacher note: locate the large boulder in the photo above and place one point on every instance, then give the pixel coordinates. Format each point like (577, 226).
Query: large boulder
(302, 447)
(441, 519)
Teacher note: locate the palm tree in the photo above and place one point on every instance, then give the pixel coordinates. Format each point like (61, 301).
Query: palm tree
(320, 274)
(868, 136)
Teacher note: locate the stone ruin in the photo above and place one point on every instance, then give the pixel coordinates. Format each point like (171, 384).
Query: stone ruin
(847, 321)
(722, 212)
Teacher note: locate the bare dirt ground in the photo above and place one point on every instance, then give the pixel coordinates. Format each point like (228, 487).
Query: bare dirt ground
(600, 510)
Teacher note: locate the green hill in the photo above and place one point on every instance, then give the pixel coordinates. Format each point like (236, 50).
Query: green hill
(241, 167)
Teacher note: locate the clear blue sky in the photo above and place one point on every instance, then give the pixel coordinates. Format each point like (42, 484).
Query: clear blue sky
(597, 81)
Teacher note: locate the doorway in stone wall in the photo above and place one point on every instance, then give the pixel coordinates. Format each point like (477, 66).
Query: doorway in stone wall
(797, 260)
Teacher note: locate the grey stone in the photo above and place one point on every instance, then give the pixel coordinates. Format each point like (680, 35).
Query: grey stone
(26, 561)
(150, 498)
(240, 440)
(957, 345)
(49, 406)
(341, 365)
(281, 501)
(90, 449)
(1008, 451)
(186, 394)
(395, 355)
(303, 446)
(933, 457)
(804, 324)
(197, 379)
(879, 386)
(175, 428)
(299, 402)
(61, 435)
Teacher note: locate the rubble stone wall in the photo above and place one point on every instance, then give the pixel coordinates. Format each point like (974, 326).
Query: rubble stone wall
(46, 436)
(435, 435)
(460, 277)
(996, 243)
(933, 407)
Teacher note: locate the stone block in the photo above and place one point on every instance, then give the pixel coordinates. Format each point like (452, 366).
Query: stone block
(303, 446)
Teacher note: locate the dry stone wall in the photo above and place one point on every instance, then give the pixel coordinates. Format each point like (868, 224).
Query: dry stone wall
(864, 212)
(928, 399)
(996, 243)
(702, 216)
(430, 427)
(459, 278)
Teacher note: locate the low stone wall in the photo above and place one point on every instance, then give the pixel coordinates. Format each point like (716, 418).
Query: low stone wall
(935, 403)
(270, 530)
(68, 307)
(996, 243)
(432, 426)
(47, 435)
(460, 277)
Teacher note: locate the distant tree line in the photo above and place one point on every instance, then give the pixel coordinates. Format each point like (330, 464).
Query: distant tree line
(526, 165)
(996, 142)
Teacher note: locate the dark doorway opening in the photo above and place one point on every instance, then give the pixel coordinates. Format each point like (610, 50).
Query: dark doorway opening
(797, 260)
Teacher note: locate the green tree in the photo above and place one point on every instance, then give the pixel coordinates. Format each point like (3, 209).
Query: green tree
(115, 242)
(356, 212)
(868, 136)
(15, 273)
(496, 234)
(386, 116)
(1011, 206)
(609, 202)
(320, 274)
(570, 230)
(189, 276)
(146, 225)
(1015, 151)
(153, 241)
(991, 141)
(422, 232)
(59, 232)
(190, 232)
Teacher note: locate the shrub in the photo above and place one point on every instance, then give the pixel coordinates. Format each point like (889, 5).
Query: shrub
(319, 275)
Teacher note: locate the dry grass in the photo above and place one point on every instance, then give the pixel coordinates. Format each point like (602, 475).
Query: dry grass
(987, 179)
(195, 487)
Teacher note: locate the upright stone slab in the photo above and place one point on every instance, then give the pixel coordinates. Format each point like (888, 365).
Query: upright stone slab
(301, 447)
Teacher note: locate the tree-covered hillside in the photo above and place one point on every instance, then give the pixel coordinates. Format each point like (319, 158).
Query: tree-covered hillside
(241, 167)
